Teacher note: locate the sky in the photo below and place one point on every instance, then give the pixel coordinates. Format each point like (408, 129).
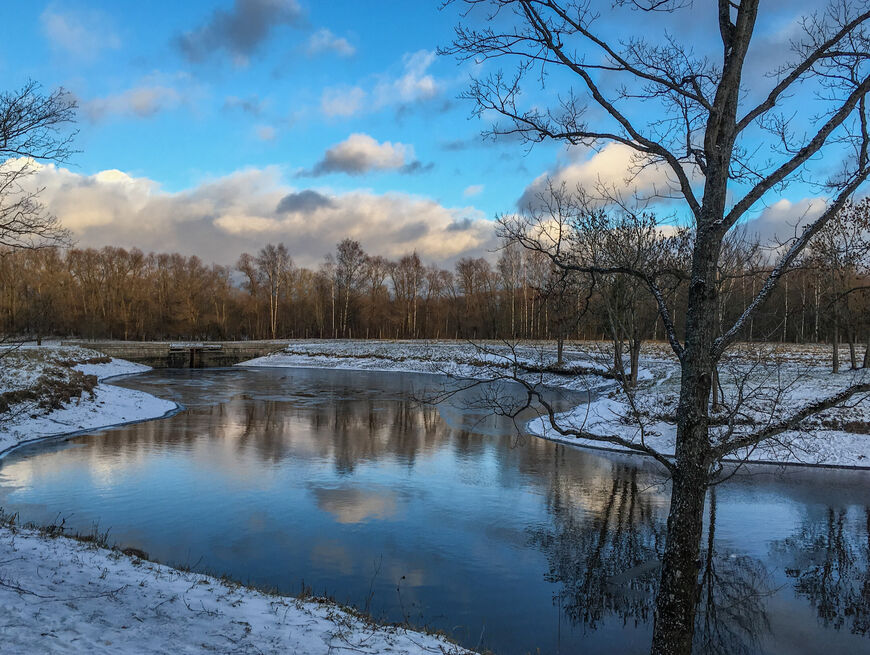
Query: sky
(213, 128)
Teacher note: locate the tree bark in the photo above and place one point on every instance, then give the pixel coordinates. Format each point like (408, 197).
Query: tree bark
(853, 352)
(677, 599)
(634, 354)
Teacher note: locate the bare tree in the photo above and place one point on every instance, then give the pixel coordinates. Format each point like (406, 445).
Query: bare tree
(30, 133)
(275, 267)
(841, 251)
(689, 115)
(580, 236)
(408, 275)
(350, 263)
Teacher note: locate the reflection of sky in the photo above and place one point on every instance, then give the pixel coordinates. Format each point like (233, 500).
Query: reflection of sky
(342, 486)
(357, 505)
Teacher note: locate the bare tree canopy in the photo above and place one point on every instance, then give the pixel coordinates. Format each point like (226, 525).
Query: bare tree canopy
(728, 142)
(31, 131)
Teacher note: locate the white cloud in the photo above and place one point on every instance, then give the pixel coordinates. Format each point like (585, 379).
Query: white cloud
(784, 219)
(473, 190)
(155, 93)
(614, 167)
(342, 101)
(360, 153)
(81, 34)
(325, 41)
(221, 218)
(414, 84)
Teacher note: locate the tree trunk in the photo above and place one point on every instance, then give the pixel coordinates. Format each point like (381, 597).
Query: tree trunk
(677, 599)
(853, 352)
(560, 348)
(618, 368)
(714, 390)
(835, 364)
(867, 352)
(634, 354)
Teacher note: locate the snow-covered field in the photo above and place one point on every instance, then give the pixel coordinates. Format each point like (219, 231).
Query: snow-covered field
(460, 359)
(772, 382)
(60, 595)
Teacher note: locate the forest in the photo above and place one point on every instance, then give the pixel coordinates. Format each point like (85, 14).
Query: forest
(125, 294)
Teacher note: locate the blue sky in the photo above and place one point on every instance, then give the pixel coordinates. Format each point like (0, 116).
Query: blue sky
(204, 132)
(208, 114)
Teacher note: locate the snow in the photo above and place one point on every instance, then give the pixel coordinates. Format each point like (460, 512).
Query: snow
(110, 405)
(459, 359)
(58, 595)
(775, 380)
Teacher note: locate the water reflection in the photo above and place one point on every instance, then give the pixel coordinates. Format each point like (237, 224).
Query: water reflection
(829, 564)
(732, 616)
(441, 515)
(604, 548)
(605, 551)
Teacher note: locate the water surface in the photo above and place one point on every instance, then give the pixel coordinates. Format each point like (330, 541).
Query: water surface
(343, 483)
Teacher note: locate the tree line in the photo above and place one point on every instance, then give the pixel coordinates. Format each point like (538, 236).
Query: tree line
(117, 293)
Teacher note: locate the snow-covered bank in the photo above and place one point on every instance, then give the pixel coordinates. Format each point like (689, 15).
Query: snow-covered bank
(58, 595)
(460, 359)
(99, 406)
(773, 381)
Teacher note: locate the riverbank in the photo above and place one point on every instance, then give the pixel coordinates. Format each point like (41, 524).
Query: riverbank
(60, 594)
(771, 382)
(53, 391)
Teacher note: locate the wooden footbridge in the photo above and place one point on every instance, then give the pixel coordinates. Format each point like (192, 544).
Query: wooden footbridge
(183, 354)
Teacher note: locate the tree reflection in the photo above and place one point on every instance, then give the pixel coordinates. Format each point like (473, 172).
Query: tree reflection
(606, 556)
(829, 561)
(731, 614)
(604, 551)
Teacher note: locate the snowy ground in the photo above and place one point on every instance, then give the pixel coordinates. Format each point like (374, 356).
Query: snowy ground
(772, 382)
(99, 405)
(61, 595)
(459, 359)
(58, 595)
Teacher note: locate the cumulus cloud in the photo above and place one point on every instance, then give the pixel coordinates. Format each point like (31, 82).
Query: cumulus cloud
(360, 153)
(224, 217)
(473, 190)
(306, 201)
(83, 34)
(324, 41)
(614, 167)
(461, 225)
(342, 101)
(239, 30)
(784, 219)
